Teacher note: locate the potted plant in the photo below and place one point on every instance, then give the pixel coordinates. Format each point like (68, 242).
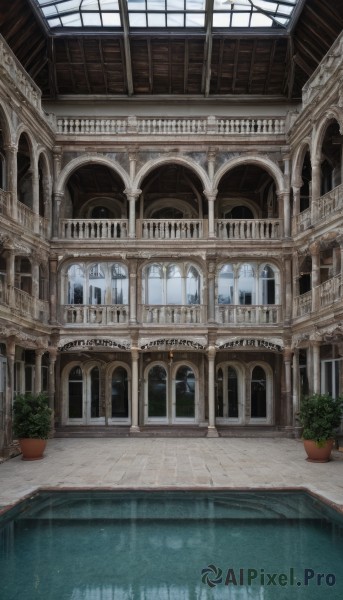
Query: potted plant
(32, 423)
(320, 415)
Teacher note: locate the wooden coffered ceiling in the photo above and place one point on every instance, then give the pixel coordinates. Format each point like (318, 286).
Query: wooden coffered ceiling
(273, 64)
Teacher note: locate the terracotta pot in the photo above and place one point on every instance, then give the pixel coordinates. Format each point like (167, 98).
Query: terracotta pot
(316, 453)
(32, 449)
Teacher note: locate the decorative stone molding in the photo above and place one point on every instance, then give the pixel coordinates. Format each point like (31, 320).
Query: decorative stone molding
(28, 340)
(246, 344)
(84, 343)
(174, 343)
(331, 62)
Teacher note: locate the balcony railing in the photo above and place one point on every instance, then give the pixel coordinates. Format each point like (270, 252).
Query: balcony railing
(31, 307)
(171, 229)
(330, 291)
(302, 305)
(170, 126)
(156, 314)
(331, 202)
(258, 314)
(89, 229)
(26, 217)
(249, 229)
(4, 202)
(95, 314)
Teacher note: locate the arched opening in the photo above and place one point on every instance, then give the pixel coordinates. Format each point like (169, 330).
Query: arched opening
(23, 274)
(24, 172)
(75, 393)
(43, 187)
(76, 284)
(305, 275)
(246, 285)
(267, 285)
(331, 163)
(157, 393)
(95, 393)
(227, 396)
(184, 393)
(119, 394)
(306, 178)
(258, 394)
(226, 285)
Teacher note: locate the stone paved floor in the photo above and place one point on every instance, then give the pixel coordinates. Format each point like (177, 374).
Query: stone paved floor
(172, 462)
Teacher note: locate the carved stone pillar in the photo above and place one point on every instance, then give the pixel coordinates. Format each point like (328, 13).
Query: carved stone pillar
(35, 200)
(132, 196)
(315, 277)
(288, 290)
(10, 352)
(211, 292)
(134, 391)
(53, 289)
(309, 367)
(296, 387)
(133, 293)
(212, 431)
(211, 157)
(51, 382)
(316, 366)
(11, 176)
(285, 210)
(133, 163)
(10, 277)
(287, 358)
(211, 196)
(38, 370)
(56, 207)
(315, 195)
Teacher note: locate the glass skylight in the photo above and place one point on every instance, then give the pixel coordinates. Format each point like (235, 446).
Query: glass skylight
(170, 14)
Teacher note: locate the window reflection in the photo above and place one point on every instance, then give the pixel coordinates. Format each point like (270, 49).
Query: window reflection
(157, 392)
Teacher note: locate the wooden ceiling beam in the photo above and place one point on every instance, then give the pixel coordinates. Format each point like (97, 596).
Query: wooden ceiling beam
(127, 48)
(252, 63)
(150, 67)
(85, 70)
(206, 72)
(220, 65)
(103, 68)
(302, 64)
(235, 65)
(270, 67)
(70, 65)
(185, 68)
(318, 19)
(52, 68)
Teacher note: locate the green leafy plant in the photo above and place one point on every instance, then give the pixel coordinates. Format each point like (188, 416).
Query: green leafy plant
(31, 416)
(320, 415)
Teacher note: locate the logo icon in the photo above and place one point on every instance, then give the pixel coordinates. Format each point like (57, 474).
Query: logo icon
(211, 575)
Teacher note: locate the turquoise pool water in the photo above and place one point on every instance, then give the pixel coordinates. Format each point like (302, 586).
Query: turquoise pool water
(171, 546)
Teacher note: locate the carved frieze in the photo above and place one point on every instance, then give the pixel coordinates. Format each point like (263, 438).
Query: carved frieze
(84, 343)
(250, 344)
(172, 343)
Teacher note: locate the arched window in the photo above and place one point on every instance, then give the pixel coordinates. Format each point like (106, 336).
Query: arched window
(101, 212)
(95, 392)
(76, 281)
(157, 392)
(193, 286)
(267, 285)
(75, 393)
(227, 393)
(225, 285)
(155, 285)
(174, 285)
(120, 394)
(23, 274)
(258, 393)
(246, 285)
(97, 285)
(185, 393)
(120, 285)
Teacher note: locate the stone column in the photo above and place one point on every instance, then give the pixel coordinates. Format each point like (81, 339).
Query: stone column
(284, 199)
(35, 199)
(287, 357)
(11, 176)
(57, 199)
(134, 391)
(38, 370)
(211, 158)
(211, 292)
(53, 289)
(211, 196)
(10, 352)
(309, 366)
(316, 366)
(10, 277)
(132, 196)
(296, 398)
(316, 181)
(51, 382)
(211, 431)
(133, 293)
(288, 290)
(315, 277)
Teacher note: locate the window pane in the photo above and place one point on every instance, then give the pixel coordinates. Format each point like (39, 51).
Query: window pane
(156, 20)
(193, 286)
(246, 285)
(120, 285)
(258, 393)
(220, 396)
(75, 285)
(185, 393)
(232, 393)
(157, 392)
(155, 285)
(225, 285)
(174, 285)
(75, 394)
(95, 393)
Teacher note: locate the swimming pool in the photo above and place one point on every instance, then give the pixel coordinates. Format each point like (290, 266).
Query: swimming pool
(171, 545)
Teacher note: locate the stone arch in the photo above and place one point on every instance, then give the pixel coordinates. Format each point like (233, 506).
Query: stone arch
(262, 161)
(179, 160)
(81, 161)
(298, 160)
(6, 124)
(333, 114)
(22, 130)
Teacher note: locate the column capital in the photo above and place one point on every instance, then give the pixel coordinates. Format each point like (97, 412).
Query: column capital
(132, 194)
(211, 194)
(314, 248)
(211, 352)
(134, 353)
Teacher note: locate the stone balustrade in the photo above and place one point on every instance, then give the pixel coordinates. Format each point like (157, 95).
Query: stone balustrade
(251, 314)
(95, 314)
(87, 229)
(42, 311)
(330, 291)
(249, 229)
(26, 217)
(171, 229)
(302, 305)
(330, 202)
(31, 307)
(170, 126)
(156, 314)
(4, 202)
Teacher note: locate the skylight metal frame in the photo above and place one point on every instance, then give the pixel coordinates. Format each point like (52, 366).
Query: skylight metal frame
(229, 16)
